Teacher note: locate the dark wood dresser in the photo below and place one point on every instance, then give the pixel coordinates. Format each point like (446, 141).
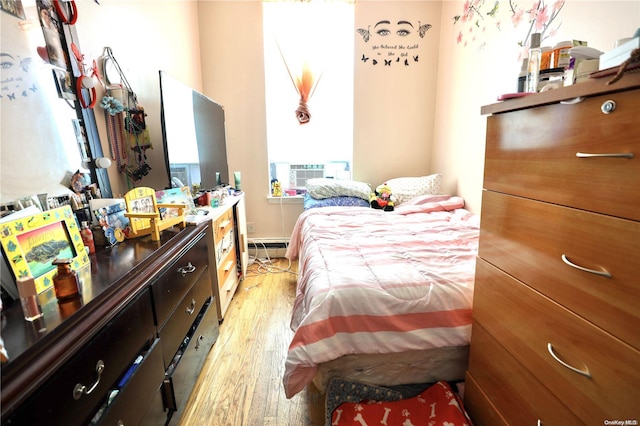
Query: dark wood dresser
(556, 316)
(129, 351)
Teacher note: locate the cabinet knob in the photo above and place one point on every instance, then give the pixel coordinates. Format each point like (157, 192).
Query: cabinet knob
(608, 106)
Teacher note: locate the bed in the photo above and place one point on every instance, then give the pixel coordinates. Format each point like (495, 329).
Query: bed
(383, 297)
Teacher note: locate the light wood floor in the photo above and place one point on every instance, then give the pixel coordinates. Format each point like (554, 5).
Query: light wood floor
(241, 382)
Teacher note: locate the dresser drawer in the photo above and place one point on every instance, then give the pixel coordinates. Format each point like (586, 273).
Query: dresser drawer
(224, 245)
(532, 153)
(115, 346)
(129, 406)
(179, 323)
(519, 397)
(178, 278)
(226, 267)
(527, 239)
(478, 405)
(223, 224)
(532, 327)
(228, 289)
(194, 352)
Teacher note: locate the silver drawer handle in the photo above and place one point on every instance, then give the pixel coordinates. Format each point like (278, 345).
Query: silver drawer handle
(591, 271)
(191, 309)
(611, 155)
(81, 389)
(572, 101)
(564, 364)
(187, 269)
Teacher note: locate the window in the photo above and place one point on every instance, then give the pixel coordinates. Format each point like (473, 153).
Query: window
(311, 42)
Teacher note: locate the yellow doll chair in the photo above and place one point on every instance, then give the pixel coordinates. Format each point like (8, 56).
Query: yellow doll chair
(144, 214)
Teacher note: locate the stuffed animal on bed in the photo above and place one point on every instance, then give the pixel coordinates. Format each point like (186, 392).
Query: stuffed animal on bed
(382, 198)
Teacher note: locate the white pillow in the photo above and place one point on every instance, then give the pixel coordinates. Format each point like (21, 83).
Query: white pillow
(407, 188)
(321, 188)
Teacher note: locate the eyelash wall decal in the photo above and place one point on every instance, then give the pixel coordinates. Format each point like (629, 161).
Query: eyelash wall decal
(402, 32)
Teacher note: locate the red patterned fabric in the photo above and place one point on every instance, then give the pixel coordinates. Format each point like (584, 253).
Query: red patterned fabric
(438, 405)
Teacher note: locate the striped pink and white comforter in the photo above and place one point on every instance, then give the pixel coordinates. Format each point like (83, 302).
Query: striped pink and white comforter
(380, 282)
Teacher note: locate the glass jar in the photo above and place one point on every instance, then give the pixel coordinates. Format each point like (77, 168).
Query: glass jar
(65, 282)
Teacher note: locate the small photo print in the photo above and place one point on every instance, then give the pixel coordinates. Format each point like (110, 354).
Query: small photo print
(13, 7)
(64, 84)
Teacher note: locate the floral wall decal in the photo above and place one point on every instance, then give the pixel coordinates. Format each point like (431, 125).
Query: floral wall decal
(477, 15)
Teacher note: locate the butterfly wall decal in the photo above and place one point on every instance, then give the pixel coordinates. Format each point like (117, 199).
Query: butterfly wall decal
(422, 29)
(387, 62)
(364, 58)
(366, 34)
(25, 63)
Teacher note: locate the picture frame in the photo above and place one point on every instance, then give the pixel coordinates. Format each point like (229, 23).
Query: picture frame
(31, 243)
(13, 7)
(81, 138)
(64, 84)
(176, 196)
(113, 222)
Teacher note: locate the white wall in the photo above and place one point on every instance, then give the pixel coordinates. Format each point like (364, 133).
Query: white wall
(145, 37)
(394, 105)
(422, 121)
(474, 74)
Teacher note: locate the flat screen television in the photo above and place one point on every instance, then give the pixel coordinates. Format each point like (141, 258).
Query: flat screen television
(194, 136)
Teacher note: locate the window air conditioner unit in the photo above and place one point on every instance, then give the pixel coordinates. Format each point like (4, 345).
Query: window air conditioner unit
(300, 173)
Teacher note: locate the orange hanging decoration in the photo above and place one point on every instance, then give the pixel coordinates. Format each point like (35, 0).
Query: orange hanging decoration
(305, 84)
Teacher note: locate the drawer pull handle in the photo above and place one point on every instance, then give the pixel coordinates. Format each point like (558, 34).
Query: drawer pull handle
(228, 266)
(591, 271)
(187, 269)
(191, 309)
(572, 101)
(224, 224)
(610, 155)
(80, 389)
(564, 364)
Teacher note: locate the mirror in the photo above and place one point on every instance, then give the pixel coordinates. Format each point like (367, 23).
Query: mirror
(45, 133)
(193, 132)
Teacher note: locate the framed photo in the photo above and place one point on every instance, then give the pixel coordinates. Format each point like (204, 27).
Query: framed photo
(142, 205)
(113, 222)
(64, 84)
(30, 245)
(13, 7)
(81, 138)
(176, 195)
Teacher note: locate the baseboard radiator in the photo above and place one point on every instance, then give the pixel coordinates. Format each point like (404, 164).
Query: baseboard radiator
(268, 247)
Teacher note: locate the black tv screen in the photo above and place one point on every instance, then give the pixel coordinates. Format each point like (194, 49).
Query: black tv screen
(193, 132)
